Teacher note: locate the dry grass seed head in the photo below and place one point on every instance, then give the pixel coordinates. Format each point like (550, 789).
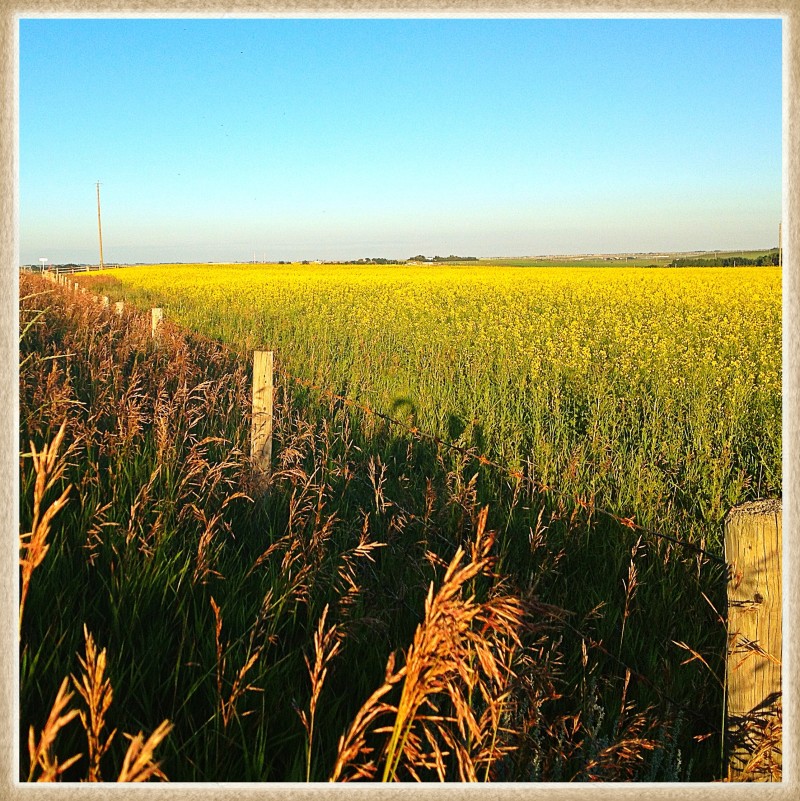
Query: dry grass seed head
(39, 752)
(33, 545)
(448, 658)
(95, 689)
(354, 753)
(203, 570)
(228, 705)
(326, 645)
(138, 764)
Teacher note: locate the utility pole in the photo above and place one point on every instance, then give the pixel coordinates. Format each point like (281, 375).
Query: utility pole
(99, 226)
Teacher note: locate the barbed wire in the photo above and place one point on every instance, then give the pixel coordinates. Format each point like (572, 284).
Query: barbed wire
(519, 475)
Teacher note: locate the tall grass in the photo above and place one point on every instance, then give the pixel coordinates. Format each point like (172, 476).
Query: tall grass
(382, 609)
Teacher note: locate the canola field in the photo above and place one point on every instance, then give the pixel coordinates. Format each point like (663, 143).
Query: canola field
(657, 391)
(277, 633)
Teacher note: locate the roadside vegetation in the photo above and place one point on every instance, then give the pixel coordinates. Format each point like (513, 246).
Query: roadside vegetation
(769, 259)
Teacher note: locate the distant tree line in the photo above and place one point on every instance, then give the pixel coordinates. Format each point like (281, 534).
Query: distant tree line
(375, 260)
(420, 257)
(770, 258)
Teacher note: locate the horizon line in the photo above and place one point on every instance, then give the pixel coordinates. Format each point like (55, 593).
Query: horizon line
(452, 256)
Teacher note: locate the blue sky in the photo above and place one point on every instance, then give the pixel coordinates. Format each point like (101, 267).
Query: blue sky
(215, 140)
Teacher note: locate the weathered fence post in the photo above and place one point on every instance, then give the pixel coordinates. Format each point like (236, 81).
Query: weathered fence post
(119, 306)
(156, 316)
(74, 286)
(753, 538)
(261, 432)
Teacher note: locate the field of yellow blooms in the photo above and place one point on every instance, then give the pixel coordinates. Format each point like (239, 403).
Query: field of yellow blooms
(385, 607)
(658, 390)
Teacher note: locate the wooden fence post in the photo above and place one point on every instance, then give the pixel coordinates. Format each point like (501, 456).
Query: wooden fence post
(753, 538)
(156, 315)
(261, 432)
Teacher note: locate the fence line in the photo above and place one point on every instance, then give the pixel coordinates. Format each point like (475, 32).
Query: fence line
(535, 484)
(71, 269)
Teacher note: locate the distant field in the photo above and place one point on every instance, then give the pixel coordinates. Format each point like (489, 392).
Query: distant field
(579, 261)
(617, 260)
(722, 254)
